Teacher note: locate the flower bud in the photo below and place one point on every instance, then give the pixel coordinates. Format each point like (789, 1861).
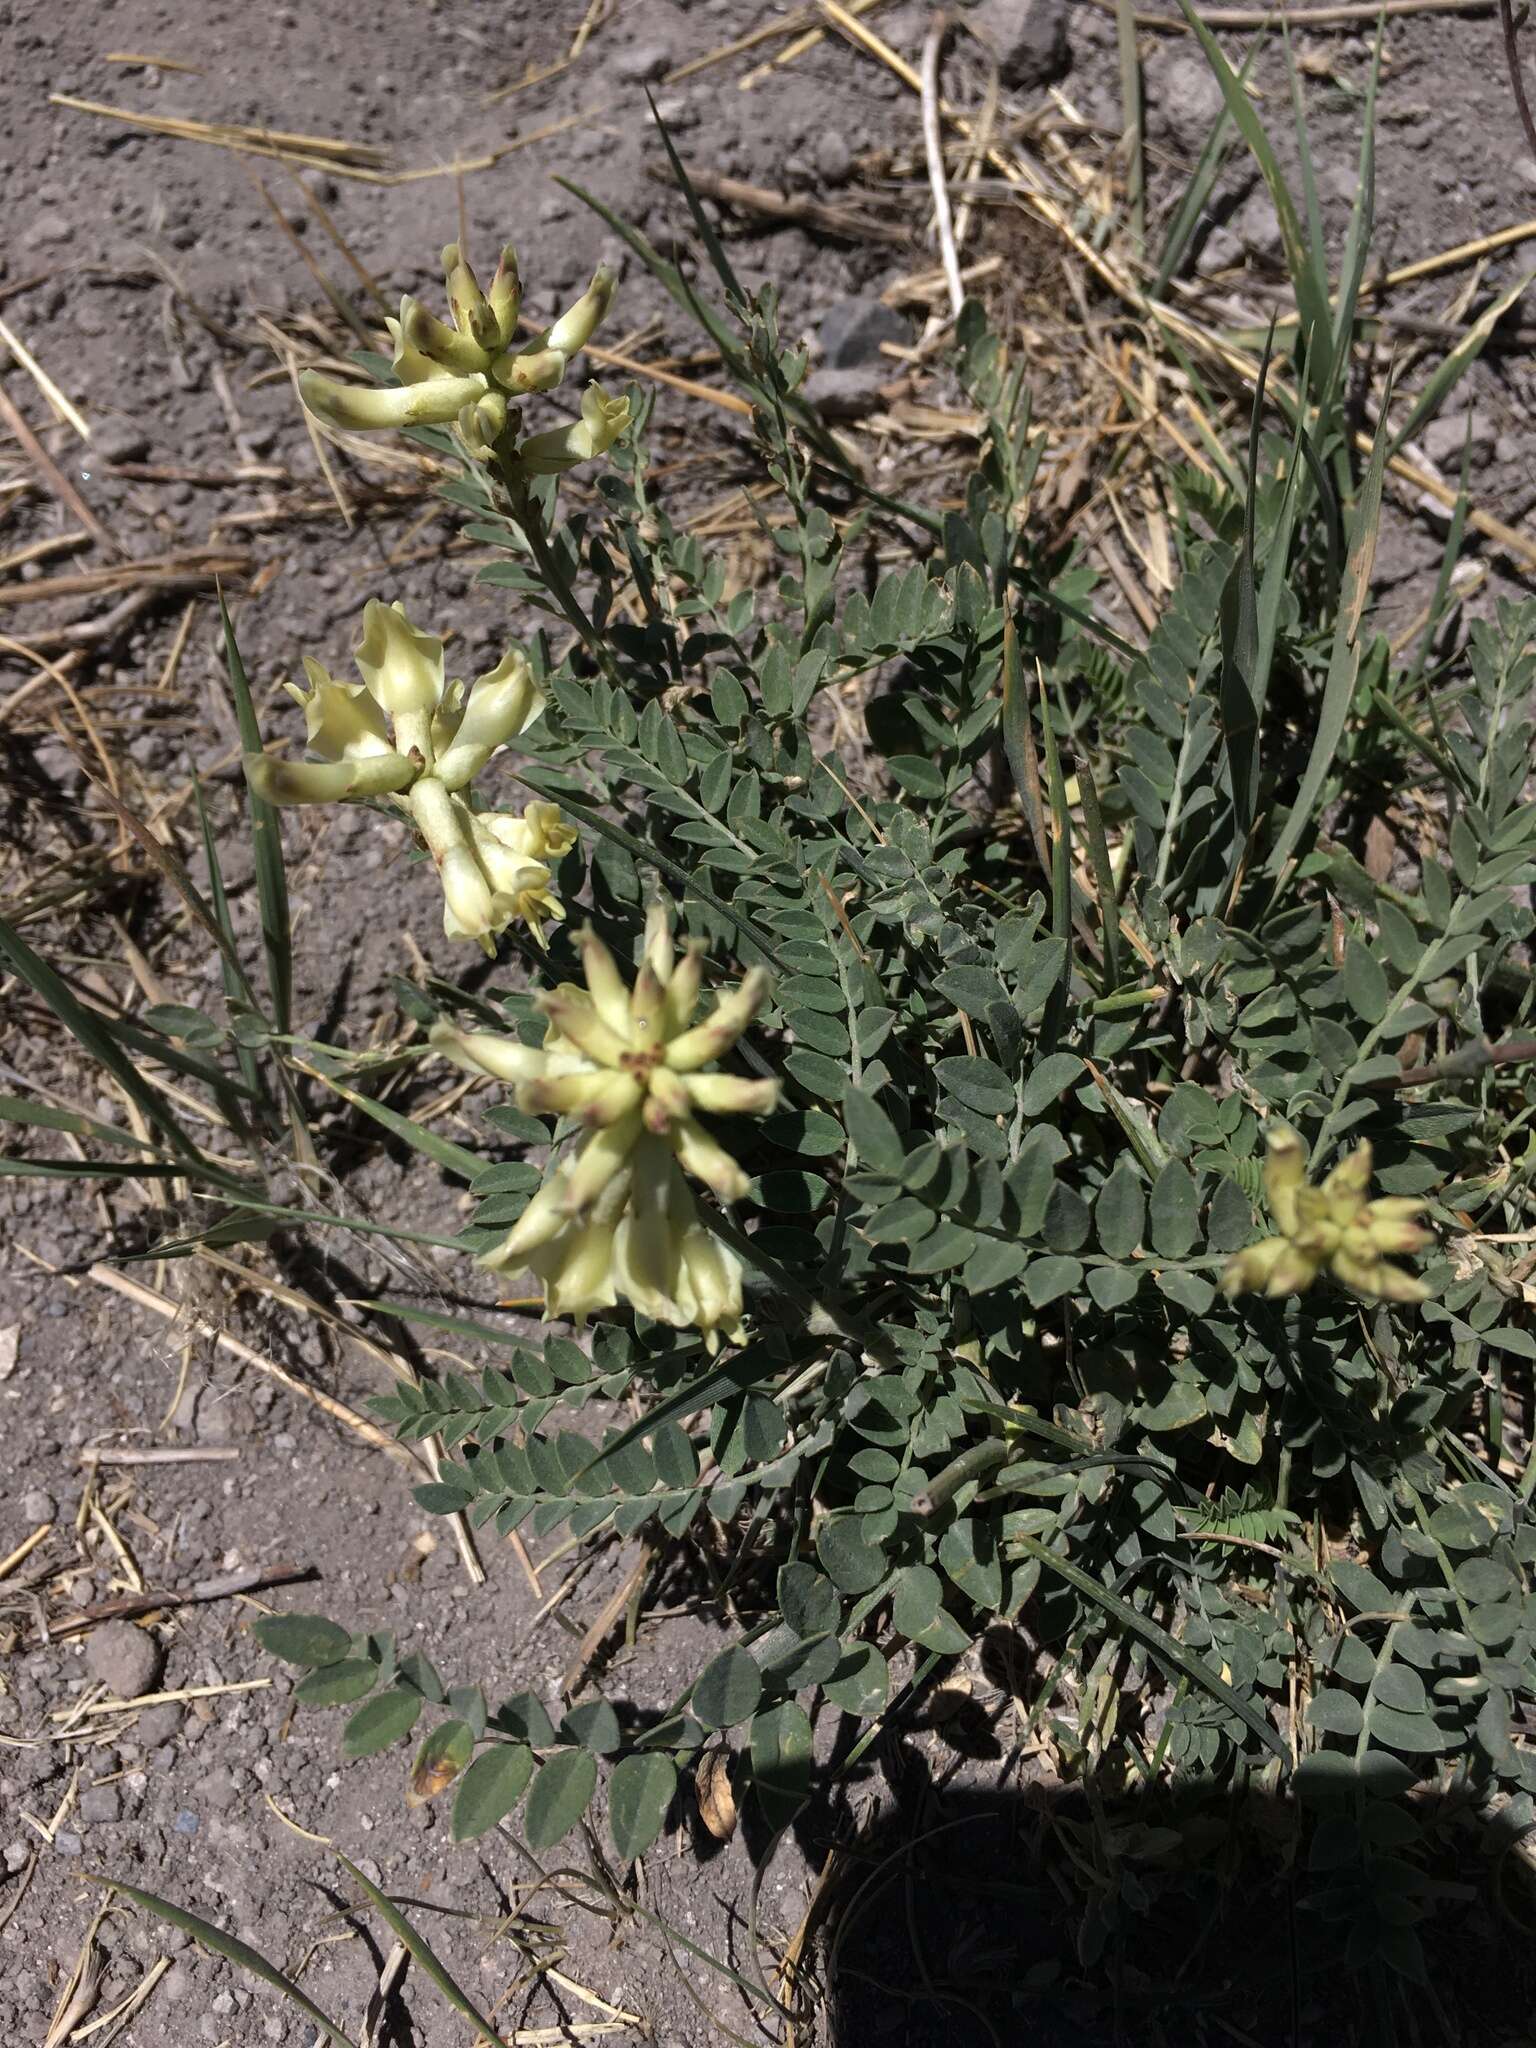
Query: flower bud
(574, 329)
(599, 1159)
(610, 998)
(401, 666)
(521, 375)
(732, 1095)
(501, 703)
(486, 1052)
(450, 351)
(584, 1028)
(601, 423)
(719, 1032)
(277, 781)
(360, 409)
(707, 1161)
(506, 295)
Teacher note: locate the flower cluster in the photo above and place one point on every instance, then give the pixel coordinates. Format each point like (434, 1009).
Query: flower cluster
(470, 376)
(616, 1218)
(406, 735)
(1331, 1228)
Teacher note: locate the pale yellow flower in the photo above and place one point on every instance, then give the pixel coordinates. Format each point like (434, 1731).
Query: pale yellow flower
(411, 737)
(624, 1063)
(470, 375)
(1331, 1228)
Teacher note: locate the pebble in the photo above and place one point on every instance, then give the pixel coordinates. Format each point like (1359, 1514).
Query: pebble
(116, 439)
(37, 1506)
(642, 62)
(100, 1803)
(126, 1660)
(852, 330)
(1029, 36)
(15, 1857)
(834, 159)
(186, 1822)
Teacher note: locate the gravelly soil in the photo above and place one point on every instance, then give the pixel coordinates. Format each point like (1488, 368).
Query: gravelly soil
(135, 270)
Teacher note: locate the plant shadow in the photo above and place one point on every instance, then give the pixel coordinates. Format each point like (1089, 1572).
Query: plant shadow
(969, 1896)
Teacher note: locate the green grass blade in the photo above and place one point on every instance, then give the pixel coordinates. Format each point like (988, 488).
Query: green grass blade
(232, 1950)
(421, 1952)
(454, 1157)
(1439, 603)
(1131, 137)
(1456, 365)
(1344, 659)
(701, 220)
(1311, 301)
(460, 1326)
(1357, 247)
(266, 844)
(89, 1169)
(1103, 873)
(1240, 649)
(245, 1056)
(1166, 1646)
(1202, 182)
(20, 1109)
(1319, 337)
(94, 1035)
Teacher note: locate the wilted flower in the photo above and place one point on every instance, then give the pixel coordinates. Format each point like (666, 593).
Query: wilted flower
(470, 376)
(406, 734)
(1331, 1228)
(616, 1219)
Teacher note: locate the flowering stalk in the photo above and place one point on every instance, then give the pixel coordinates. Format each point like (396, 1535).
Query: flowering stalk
(616, 1219)
(471, 377)
(405, 735)
(1331, 1228)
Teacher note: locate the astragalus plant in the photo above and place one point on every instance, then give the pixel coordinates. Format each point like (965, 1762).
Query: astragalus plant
(992, 1150)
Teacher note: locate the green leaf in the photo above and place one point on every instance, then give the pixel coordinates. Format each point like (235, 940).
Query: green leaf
(727, 1690)
(781, 1751)
(1365, 983)
(807, 1600)
(861, 1684)
(1413, 1734)
(490, 1788)
(978, 1083)
(266, 844)
(381, 1722)
(560, 1795)
(874, 1136)
(230, 1949)
(594, 1725)
(852, 1562)
(1174, 1211)
(1047, 1279)
(337, 1685)
(1057, 1071)
(1334, 1712)
(307, 1639)
(1120, 1213)
(639, 1793)
(968, 1554)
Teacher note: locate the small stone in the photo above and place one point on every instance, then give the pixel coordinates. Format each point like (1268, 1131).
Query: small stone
(37, 1506)
(1257, 225)
(100, 1803)
(1221, 250)
(847, 394)
(157, 1725)
(642, 62)
(126, 1660)
(834, 159)
(186, 1822)
(15, 1857)
(851, 332)
(1445, 438)
(1183, 97)
(67, 1843)
(1029, 37)
(117, 439)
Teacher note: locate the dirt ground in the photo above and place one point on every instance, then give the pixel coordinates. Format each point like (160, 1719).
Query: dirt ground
(149, 277)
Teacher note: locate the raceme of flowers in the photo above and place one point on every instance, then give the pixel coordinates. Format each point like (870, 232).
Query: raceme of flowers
(470, 376)
(1331, 1228)
(406, 736)
(616, 1219)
